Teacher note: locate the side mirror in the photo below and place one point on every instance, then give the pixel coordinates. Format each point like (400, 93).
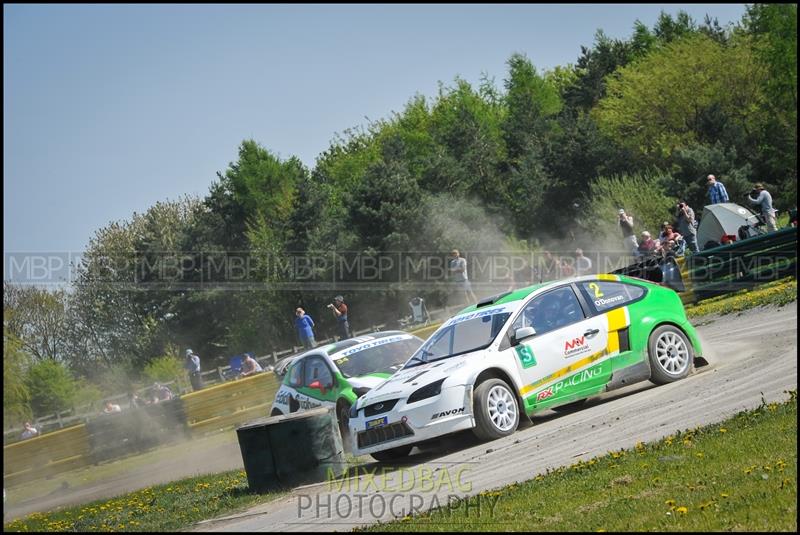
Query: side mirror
(522, 333)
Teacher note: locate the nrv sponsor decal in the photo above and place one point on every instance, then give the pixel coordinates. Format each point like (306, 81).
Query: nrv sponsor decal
(575, 346)
(451, 412)
(571, 381)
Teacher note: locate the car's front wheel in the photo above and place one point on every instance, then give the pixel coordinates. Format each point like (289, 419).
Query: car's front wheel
(671, 355)
(496, 410)
(343, 414)
(393, 454)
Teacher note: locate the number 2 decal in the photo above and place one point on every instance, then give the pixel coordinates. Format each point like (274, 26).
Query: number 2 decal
(596, 288)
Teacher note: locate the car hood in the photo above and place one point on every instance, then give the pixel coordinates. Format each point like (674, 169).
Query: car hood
(367, 381)
(404, 382)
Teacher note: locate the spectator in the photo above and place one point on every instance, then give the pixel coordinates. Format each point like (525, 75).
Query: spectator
(661, 235)
(339, 309)
(419, 312)
(458, 271)
(550, 267)
(29, 432)
(673, 243)
(160, 393)
(628, 236)
(716, 190)
(250, 366)
(647, 245)
(565, 267)
(135, 401)
(687, 225)
(583, 265)
(192, 366)
(762, 197)
(111, 408)
(304, 324)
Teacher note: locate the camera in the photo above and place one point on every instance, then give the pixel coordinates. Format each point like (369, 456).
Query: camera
(330, 305)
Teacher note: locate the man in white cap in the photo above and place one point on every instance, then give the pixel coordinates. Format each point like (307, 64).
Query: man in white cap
(192, 366)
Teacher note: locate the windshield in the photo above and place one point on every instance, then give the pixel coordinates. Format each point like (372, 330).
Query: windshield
(462, 334)
(384, 355)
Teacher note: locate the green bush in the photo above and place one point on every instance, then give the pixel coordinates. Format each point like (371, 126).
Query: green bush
(52, 387)
(165, 368)
(642, 196)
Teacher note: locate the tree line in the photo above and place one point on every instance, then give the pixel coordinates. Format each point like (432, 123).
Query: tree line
(541, 159)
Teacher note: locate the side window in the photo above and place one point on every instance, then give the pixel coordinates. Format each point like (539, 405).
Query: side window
(296, 374)
(317, 370)
(605, 295)
(553, 310)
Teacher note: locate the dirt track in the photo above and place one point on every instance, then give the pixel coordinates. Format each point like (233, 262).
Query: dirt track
(740, 347)
(754, 355)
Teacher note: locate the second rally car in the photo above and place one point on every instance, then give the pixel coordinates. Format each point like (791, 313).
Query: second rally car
(335, 375)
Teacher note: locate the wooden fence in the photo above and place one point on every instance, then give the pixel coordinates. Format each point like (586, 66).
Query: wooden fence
(46, 455)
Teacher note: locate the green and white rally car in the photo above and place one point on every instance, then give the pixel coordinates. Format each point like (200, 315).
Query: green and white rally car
(335, 375)
(541, 347)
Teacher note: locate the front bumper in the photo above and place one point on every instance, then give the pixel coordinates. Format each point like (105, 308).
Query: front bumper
(405, 423)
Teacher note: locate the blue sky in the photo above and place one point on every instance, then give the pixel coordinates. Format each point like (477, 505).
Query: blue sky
(110, 108)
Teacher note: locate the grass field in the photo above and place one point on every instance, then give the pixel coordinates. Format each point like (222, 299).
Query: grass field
(778, 293)
(739, 475)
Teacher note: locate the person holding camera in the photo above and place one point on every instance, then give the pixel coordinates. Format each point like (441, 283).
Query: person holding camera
(758, 195)
(339, 310)
(687, 225)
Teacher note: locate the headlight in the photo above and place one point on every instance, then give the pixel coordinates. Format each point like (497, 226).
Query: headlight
(427, 391)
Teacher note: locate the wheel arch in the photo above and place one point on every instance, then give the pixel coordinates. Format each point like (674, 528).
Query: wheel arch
(698, 360)
(499, 373)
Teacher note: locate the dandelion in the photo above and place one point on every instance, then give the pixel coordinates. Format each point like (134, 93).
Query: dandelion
(724, 494)
(723, 430)
(699, 454)
(682, 510)
(669, 502)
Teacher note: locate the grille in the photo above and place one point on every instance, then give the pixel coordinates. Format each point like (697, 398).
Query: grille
(379, 408)
(391, 432)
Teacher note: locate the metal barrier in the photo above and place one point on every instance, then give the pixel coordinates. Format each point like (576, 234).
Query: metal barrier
(741, 264)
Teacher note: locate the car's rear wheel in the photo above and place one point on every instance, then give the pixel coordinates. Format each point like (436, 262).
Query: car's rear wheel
(671, 355)
(496, 410)
(393, 454)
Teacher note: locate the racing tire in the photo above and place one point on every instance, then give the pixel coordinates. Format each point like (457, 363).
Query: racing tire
(343, 417)
(496, 410)
(569, 407)
(393, 454)
(671, 355)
